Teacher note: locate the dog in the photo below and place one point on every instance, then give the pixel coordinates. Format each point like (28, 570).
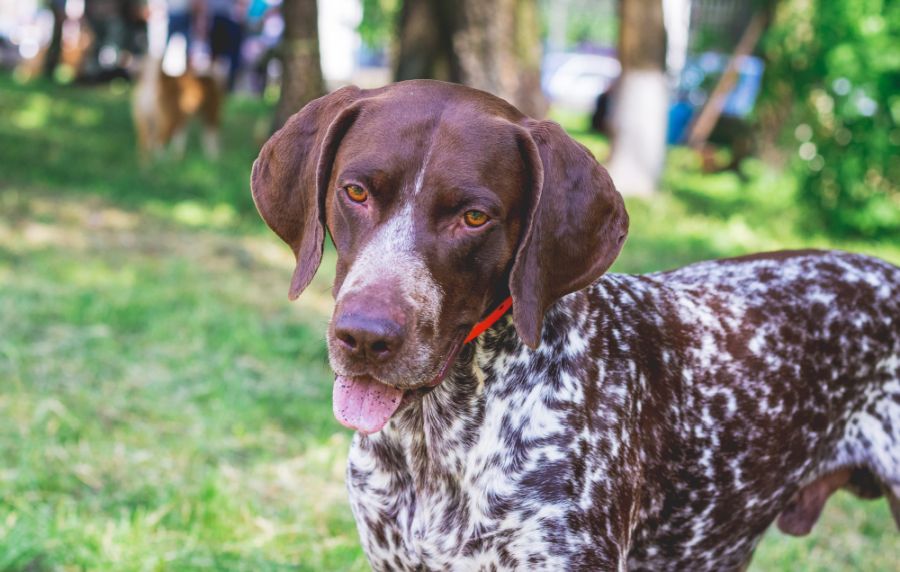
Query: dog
(163, 103)
(608, 422)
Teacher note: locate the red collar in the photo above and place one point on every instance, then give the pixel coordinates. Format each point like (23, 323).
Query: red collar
(489, 321)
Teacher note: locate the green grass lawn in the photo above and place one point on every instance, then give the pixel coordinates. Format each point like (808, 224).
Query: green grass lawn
(162, 405)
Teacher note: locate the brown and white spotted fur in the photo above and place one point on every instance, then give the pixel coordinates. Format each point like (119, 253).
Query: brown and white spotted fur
(612, 422)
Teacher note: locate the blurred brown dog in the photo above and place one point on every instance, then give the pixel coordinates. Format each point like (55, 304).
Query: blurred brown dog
(162, 106)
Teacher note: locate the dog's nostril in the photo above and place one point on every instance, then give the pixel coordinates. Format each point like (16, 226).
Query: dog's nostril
(379, 347)
(347, 340)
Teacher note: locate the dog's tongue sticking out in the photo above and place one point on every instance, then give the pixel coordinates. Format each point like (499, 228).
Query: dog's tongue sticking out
(363, 404)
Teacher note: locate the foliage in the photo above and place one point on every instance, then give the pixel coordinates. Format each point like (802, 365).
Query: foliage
(163, 406)
(832, 84)
(587, 22)
(379, 18)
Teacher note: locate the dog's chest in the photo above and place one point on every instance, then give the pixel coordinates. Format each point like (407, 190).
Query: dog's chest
(450, 525)
(487, 494)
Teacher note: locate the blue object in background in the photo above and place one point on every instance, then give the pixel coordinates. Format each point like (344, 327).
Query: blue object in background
(693, 94)
(742, 97)
(680, 115)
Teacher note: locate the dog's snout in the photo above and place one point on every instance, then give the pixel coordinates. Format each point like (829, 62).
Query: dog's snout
(370, 338)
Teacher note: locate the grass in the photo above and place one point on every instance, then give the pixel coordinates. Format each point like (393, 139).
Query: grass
(162, 406)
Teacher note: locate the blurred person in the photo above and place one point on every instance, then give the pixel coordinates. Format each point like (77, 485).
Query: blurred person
(256, 10)
(224, 32)
(180, 16)
(104, 17)
(259, 50)
(134, 20)
(182, 29)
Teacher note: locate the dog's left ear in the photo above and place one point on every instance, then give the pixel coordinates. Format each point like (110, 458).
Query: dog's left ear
(575, 228)
(291, 174)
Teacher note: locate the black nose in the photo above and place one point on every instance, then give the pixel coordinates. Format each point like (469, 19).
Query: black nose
(367, 337)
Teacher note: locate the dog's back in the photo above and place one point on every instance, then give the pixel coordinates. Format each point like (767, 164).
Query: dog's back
(785, 363)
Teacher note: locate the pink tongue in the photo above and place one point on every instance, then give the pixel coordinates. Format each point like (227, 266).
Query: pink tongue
(363, 404)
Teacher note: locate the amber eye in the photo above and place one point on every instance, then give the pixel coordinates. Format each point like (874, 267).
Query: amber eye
(356, 193)
(475, 218)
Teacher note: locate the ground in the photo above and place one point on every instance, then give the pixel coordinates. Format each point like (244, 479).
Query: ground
(163, 406)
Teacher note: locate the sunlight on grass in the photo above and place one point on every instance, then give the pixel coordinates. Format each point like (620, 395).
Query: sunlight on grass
(192, 213)
(35, 114)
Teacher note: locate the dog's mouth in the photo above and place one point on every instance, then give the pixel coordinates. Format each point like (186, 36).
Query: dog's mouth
(363, 403)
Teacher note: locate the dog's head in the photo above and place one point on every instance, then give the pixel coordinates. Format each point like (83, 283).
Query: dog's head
(441, 201)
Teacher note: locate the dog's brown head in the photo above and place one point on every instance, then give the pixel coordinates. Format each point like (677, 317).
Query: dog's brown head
(441, 200)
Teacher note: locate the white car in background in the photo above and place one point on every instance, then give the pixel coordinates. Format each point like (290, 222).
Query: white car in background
(574, 81)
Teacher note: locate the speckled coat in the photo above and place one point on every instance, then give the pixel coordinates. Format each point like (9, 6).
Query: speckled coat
(663, 423)
(657, 422)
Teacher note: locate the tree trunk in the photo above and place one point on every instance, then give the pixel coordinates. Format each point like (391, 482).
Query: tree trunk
(54, 50)
(425, 41)
(640, 108)
(301, 79)
(492, 45)
(642, 35)
(500, 51)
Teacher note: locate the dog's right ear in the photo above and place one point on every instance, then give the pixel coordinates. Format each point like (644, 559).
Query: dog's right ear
(576, 226)
(291, 174)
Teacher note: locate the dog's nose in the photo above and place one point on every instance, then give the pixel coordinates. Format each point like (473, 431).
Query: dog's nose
(367, 337)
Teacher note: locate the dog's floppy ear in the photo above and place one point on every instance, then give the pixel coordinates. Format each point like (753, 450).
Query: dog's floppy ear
(291, 174)
(575, 228)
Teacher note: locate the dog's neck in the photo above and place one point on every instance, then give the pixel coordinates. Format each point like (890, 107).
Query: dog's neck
(436, 433)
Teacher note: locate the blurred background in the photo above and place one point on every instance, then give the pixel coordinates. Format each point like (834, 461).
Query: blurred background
(162, 406)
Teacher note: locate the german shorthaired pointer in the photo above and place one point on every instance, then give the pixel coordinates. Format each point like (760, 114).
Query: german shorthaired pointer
(657, 422)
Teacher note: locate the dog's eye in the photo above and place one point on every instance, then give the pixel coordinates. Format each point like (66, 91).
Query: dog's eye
(356, 193)
(475, 218)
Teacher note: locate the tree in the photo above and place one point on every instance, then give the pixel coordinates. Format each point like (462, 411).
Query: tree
(54, 50)
(830, 91)
(492, 45)
(640, 108)
(425, 41)
(301, 79)
(499, 49)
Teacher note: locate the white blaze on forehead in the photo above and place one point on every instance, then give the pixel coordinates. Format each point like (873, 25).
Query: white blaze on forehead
(420, 177)
(390, 257)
